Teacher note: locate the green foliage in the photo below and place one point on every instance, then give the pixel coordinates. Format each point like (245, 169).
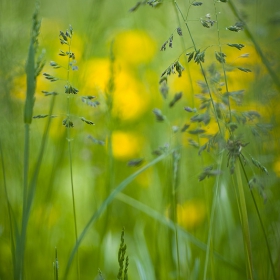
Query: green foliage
(186, 158)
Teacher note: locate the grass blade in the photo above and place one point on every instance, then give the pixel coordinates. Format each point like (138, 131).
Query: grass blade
(244, 222)
(106, 203)
(163, 220)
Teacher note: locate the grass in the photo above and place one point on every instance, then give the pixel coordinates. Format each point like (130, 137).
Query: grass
(179, 146)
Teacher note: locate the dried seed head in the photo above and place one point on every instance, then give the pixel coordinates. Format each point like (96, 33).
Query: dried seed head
(87, 121)
(170, 41)
(135, 7)
(246, 70)
(158, 114)
(40, 116)
(179, 31)
(54, 65)
(176, 98)
(135, 162)
(238, 46)
(64, 37)
(185, 127)
(67, 123)
(220, 57)
(237, 27)
(205, 23)
(164, 89)
(197, 3)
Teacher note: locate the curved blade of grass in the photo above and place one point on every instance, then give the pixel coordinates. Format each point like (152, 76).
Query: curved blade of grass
(244, 222)
(209, 251)
(261, 222)
(163, 220)
(9, 207)
(28, 111)
(105, 204)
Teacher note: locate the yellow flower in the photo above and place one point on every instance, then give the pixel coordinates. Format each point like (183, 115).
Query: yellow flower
(19, 87)
(97, 74)
(126, 145)
(135, 46)
(246, 58)
(145, 178)
(187, 84)
(130, 100)
(191, 214)
(276, 167)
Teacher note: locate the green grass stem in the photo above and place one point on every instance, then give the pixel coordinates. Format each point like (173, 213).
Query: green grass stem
(244, 221)
(69, 141)
(223, 64)
(210, 250)
(9, 207)
(201, 67)
(261, 223)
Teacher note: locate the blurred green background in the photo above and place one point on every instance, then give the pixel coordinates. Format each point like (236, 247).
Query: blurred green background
(130, 128)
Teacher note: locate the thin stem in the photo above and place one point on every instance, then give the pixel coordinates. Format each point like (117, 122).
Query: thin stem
(55, 265)
(8, 205)
(70, 159)
(261, 222)
(223, 64)
(244, 222)
(211, 227)
(22, 238)
(109, 182)
(201, 68)
(176, 158)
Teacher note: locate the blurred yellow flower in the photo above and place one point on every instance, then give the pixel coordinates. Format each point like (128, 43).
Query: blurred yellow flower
(135, 46)
(97, 73)
(276, 167)
(191, 214)
(19, 87)
(130, 100)
(187, 82)
(126, 145)
(145, 178)
(246, 58)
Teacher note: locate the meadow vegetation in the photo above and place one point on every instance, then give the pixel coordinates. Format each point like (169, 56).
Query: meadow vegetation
(139, 140)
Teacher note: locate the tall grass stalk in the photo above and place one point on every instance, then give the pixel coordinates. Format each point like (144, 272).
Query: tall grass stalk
(210, 249)
(211, 216)
(33, 68)
(109, 94)
(261, 222)
(201, 67)
(175, 183)
(55, 266)
(222, 62)
(69, 141)
(10, 216)
(244, 221)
